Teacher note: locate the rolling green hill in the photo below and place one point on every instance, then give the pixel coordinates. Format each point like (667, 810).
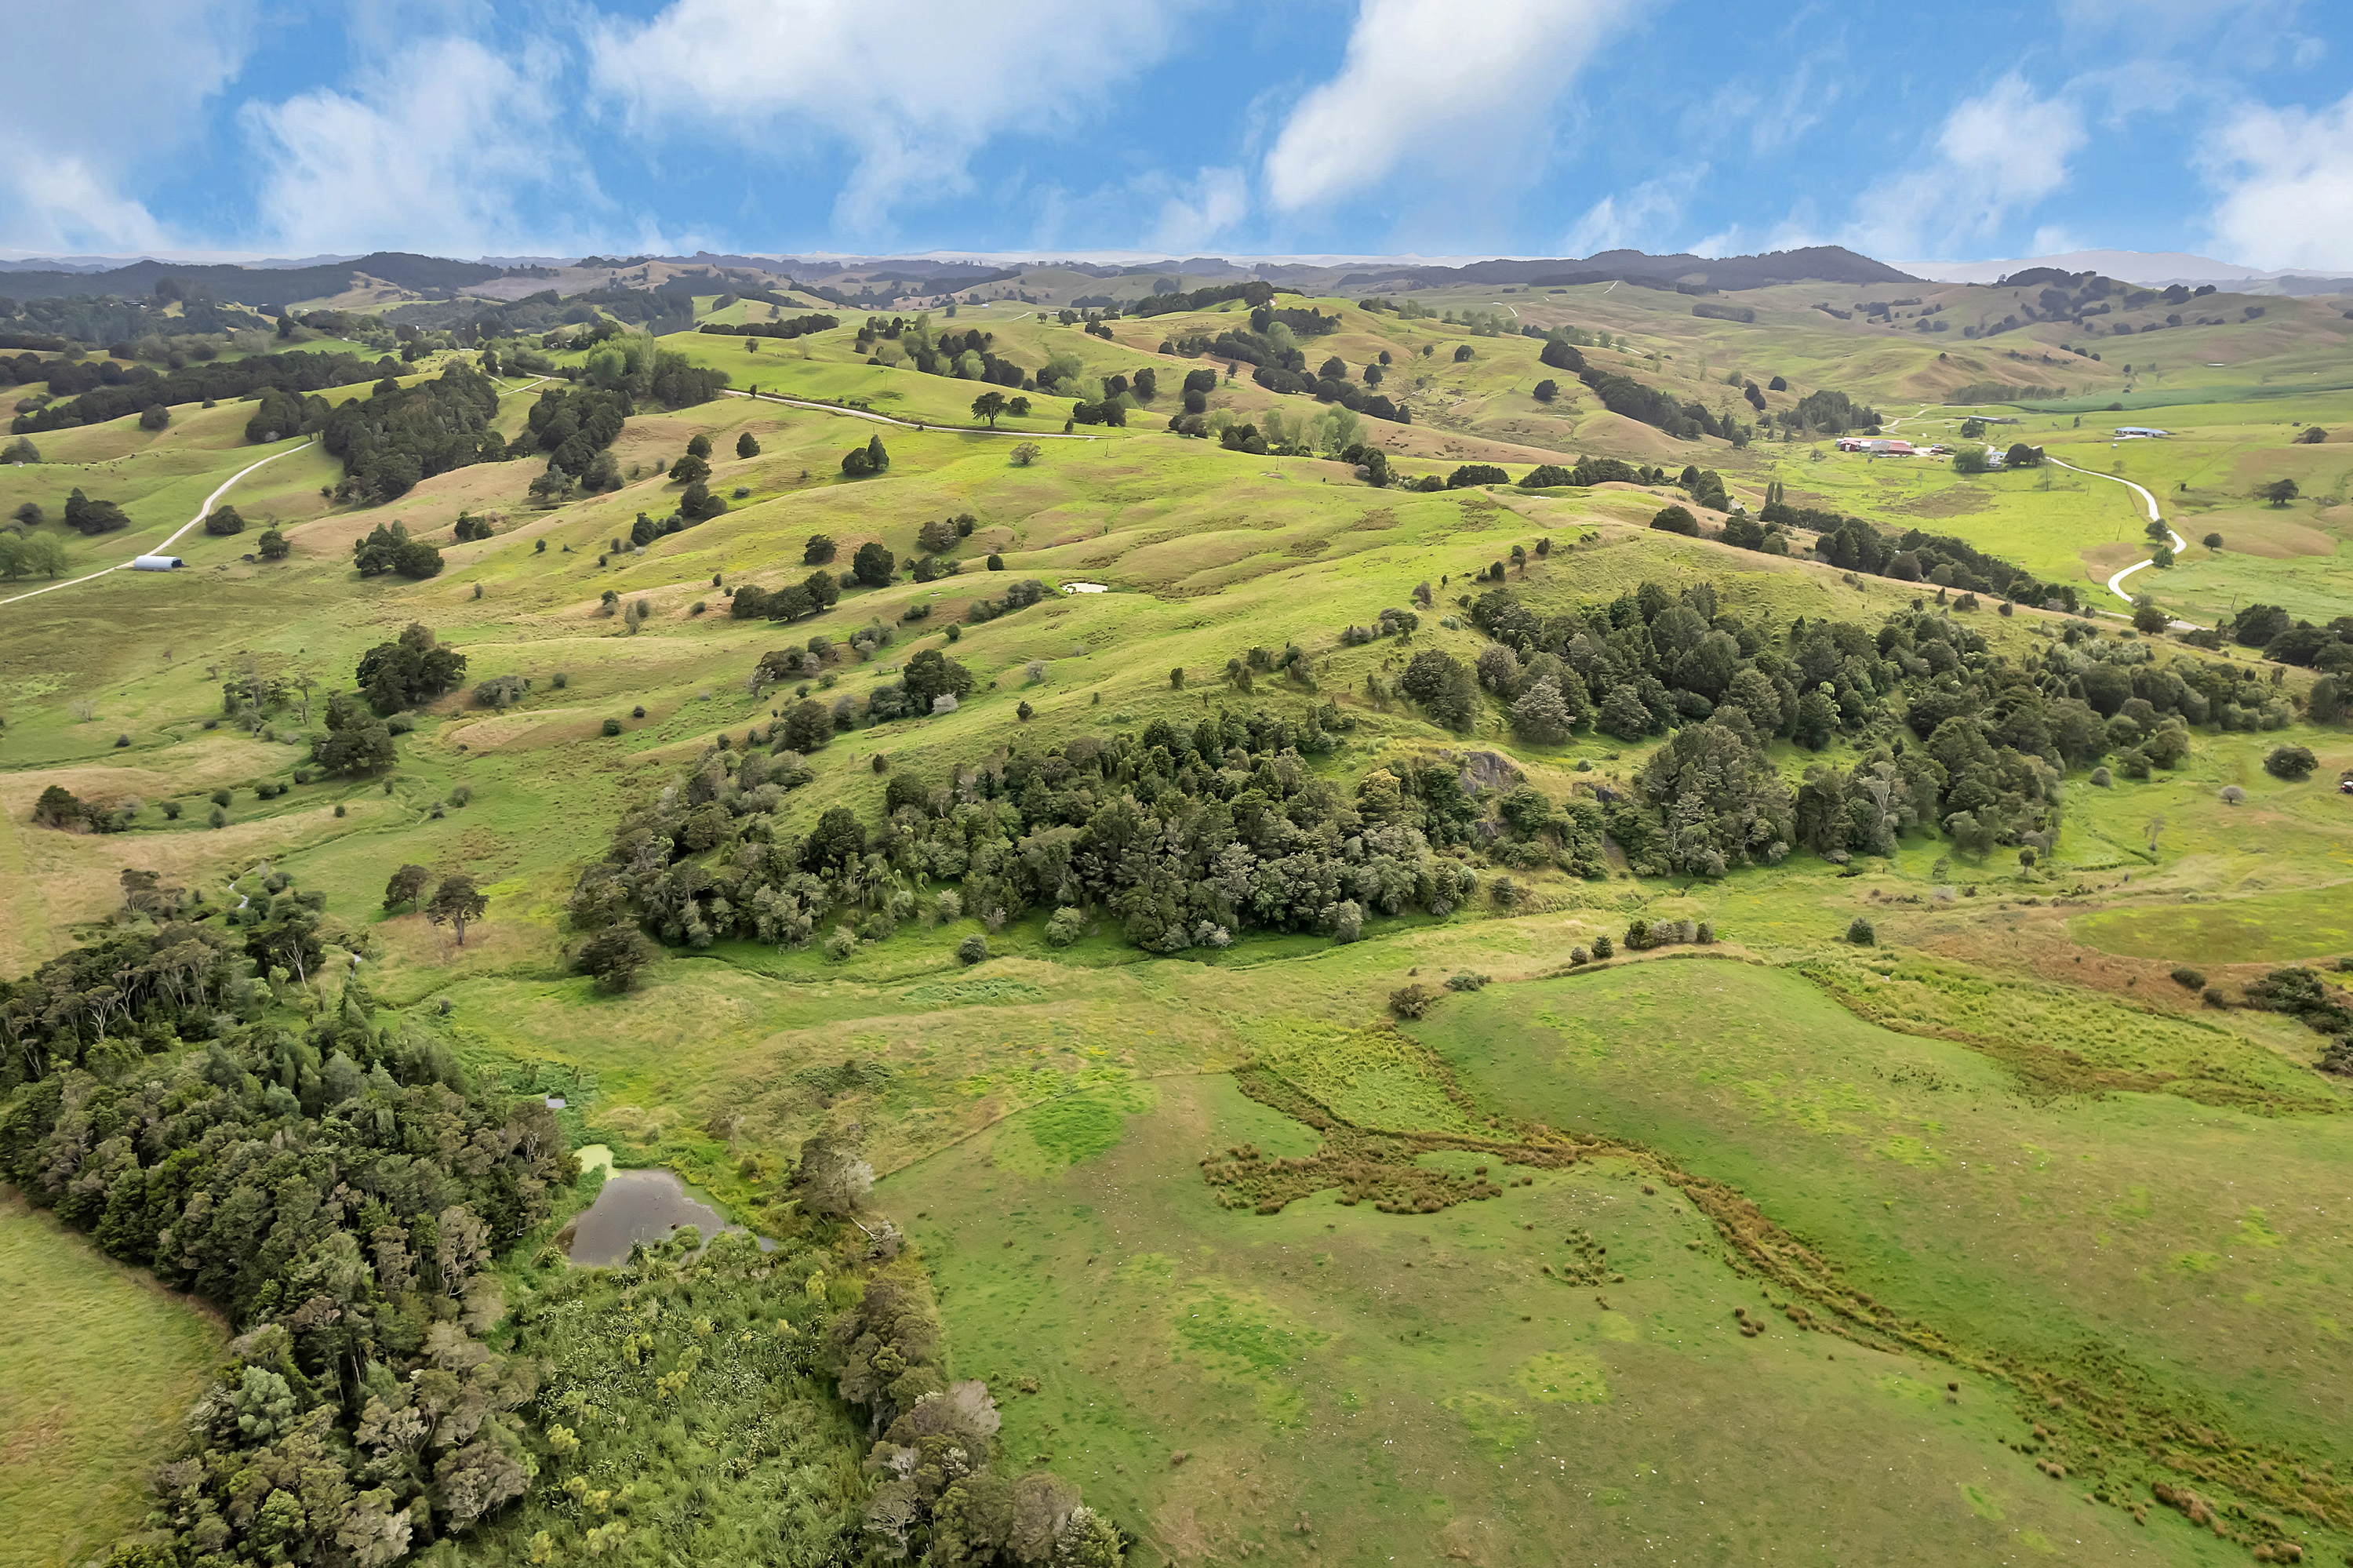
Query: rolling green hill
(1973, 1189)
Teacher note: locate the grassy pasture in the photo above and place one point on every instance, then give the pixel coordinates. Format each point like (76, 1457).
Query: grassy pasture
(1333, 1384)
(97, 1367)
(2007, 1122)
(1942, 1191)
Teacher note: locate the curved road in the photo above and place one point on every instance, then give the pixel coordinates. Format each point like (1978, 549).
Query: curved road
(202, 512)
(2181, 544)
(902, 424)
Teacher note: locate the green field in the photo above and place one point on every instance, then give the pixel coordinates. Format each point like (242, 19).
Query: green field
(1984, 1168)
(97, 1366)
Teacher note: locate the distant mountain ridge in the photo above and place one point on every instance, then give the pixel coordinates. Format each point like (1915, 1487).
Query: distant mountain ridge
(1813, 263)
(278, 283)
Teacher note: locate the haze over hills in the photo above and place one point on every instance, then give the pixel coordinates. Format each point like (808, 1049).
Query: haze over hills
(2152, 268)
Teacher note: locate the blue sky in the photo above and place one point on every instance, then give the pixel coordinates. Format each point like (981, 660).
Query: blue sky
(1437, 127)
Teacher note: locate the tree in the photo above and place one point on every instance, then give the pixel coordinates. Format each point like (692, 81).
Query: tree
(155, 417)
(817, 551)
(223, 521)
(1027, 452)
(831, 1178)
(1676, 519)
(989, 406)
(407, 884)
(1859, 931)
(2162, 558)
(1541, 715)
(973, 949)
(2021, 455)
(1176, 678)
(877, 458)
(2292, 763)
(2312, 436)
(808, 725)
(2146, 618)
(84, 515)
(2213, 541)
(613, 957)
(357, 741)
(416, 669)
(1547, 390)
(457, 904)
(931, 675)
(873, 565)
(747, 445)
(690, 469)
(272, 545)
(2279, 492)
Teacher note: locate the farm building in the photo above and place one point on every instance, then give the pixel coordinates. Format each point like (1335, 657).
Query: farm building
(2141, 432)
(156, 564)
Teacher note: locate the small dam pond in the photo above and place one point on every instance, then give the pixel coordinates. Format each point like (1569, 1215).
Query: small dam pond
(635, 1206)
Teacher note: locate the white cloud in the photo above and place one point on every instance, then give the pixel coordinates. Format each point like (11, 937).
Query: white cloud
(915, 88)
(2285, 177)
(1636, 218)
(1198, 211)
(1439, 90)
(440, 152)
(96, 91)
(2001, 151)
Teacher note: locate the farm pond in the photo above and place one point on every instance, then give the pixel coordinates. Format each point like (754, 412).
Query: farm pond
(635, 1206)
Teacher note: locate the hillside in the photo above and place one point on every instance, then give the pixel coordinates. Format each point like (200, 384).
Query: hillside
(1400, 914)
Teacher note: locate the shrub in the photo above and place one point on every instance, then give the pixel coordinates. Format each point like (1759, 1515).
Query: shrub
(1412, 1000)
(217, 818)
(1676, 519)
(1603, 947)
(1464, 980)
(1860, 933)
(1065, 927)
(841, 944)
(1579, 955)
(2292, 763)
(2189, 979)
(220, 797)
(611, 726)
(972, 949)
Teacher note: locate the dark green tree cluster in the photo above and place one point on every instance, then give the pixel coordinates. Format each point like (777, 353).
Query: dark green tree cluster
(1253, 293)
(794, 601)
(1939, 560)
(337, 1191)
(789, 327)
(357, 741)
(402, 435)
(2287, 641)
(1590, 471)
(575, 425)
(858, 463)
(84, 515)
(1624, 395)
(414, 669)
(388, 549)
(1185, 836)
(223, 381)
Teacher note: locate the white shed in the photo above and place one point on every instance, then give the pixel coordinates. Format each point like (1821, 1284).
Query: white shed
(156, 564)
